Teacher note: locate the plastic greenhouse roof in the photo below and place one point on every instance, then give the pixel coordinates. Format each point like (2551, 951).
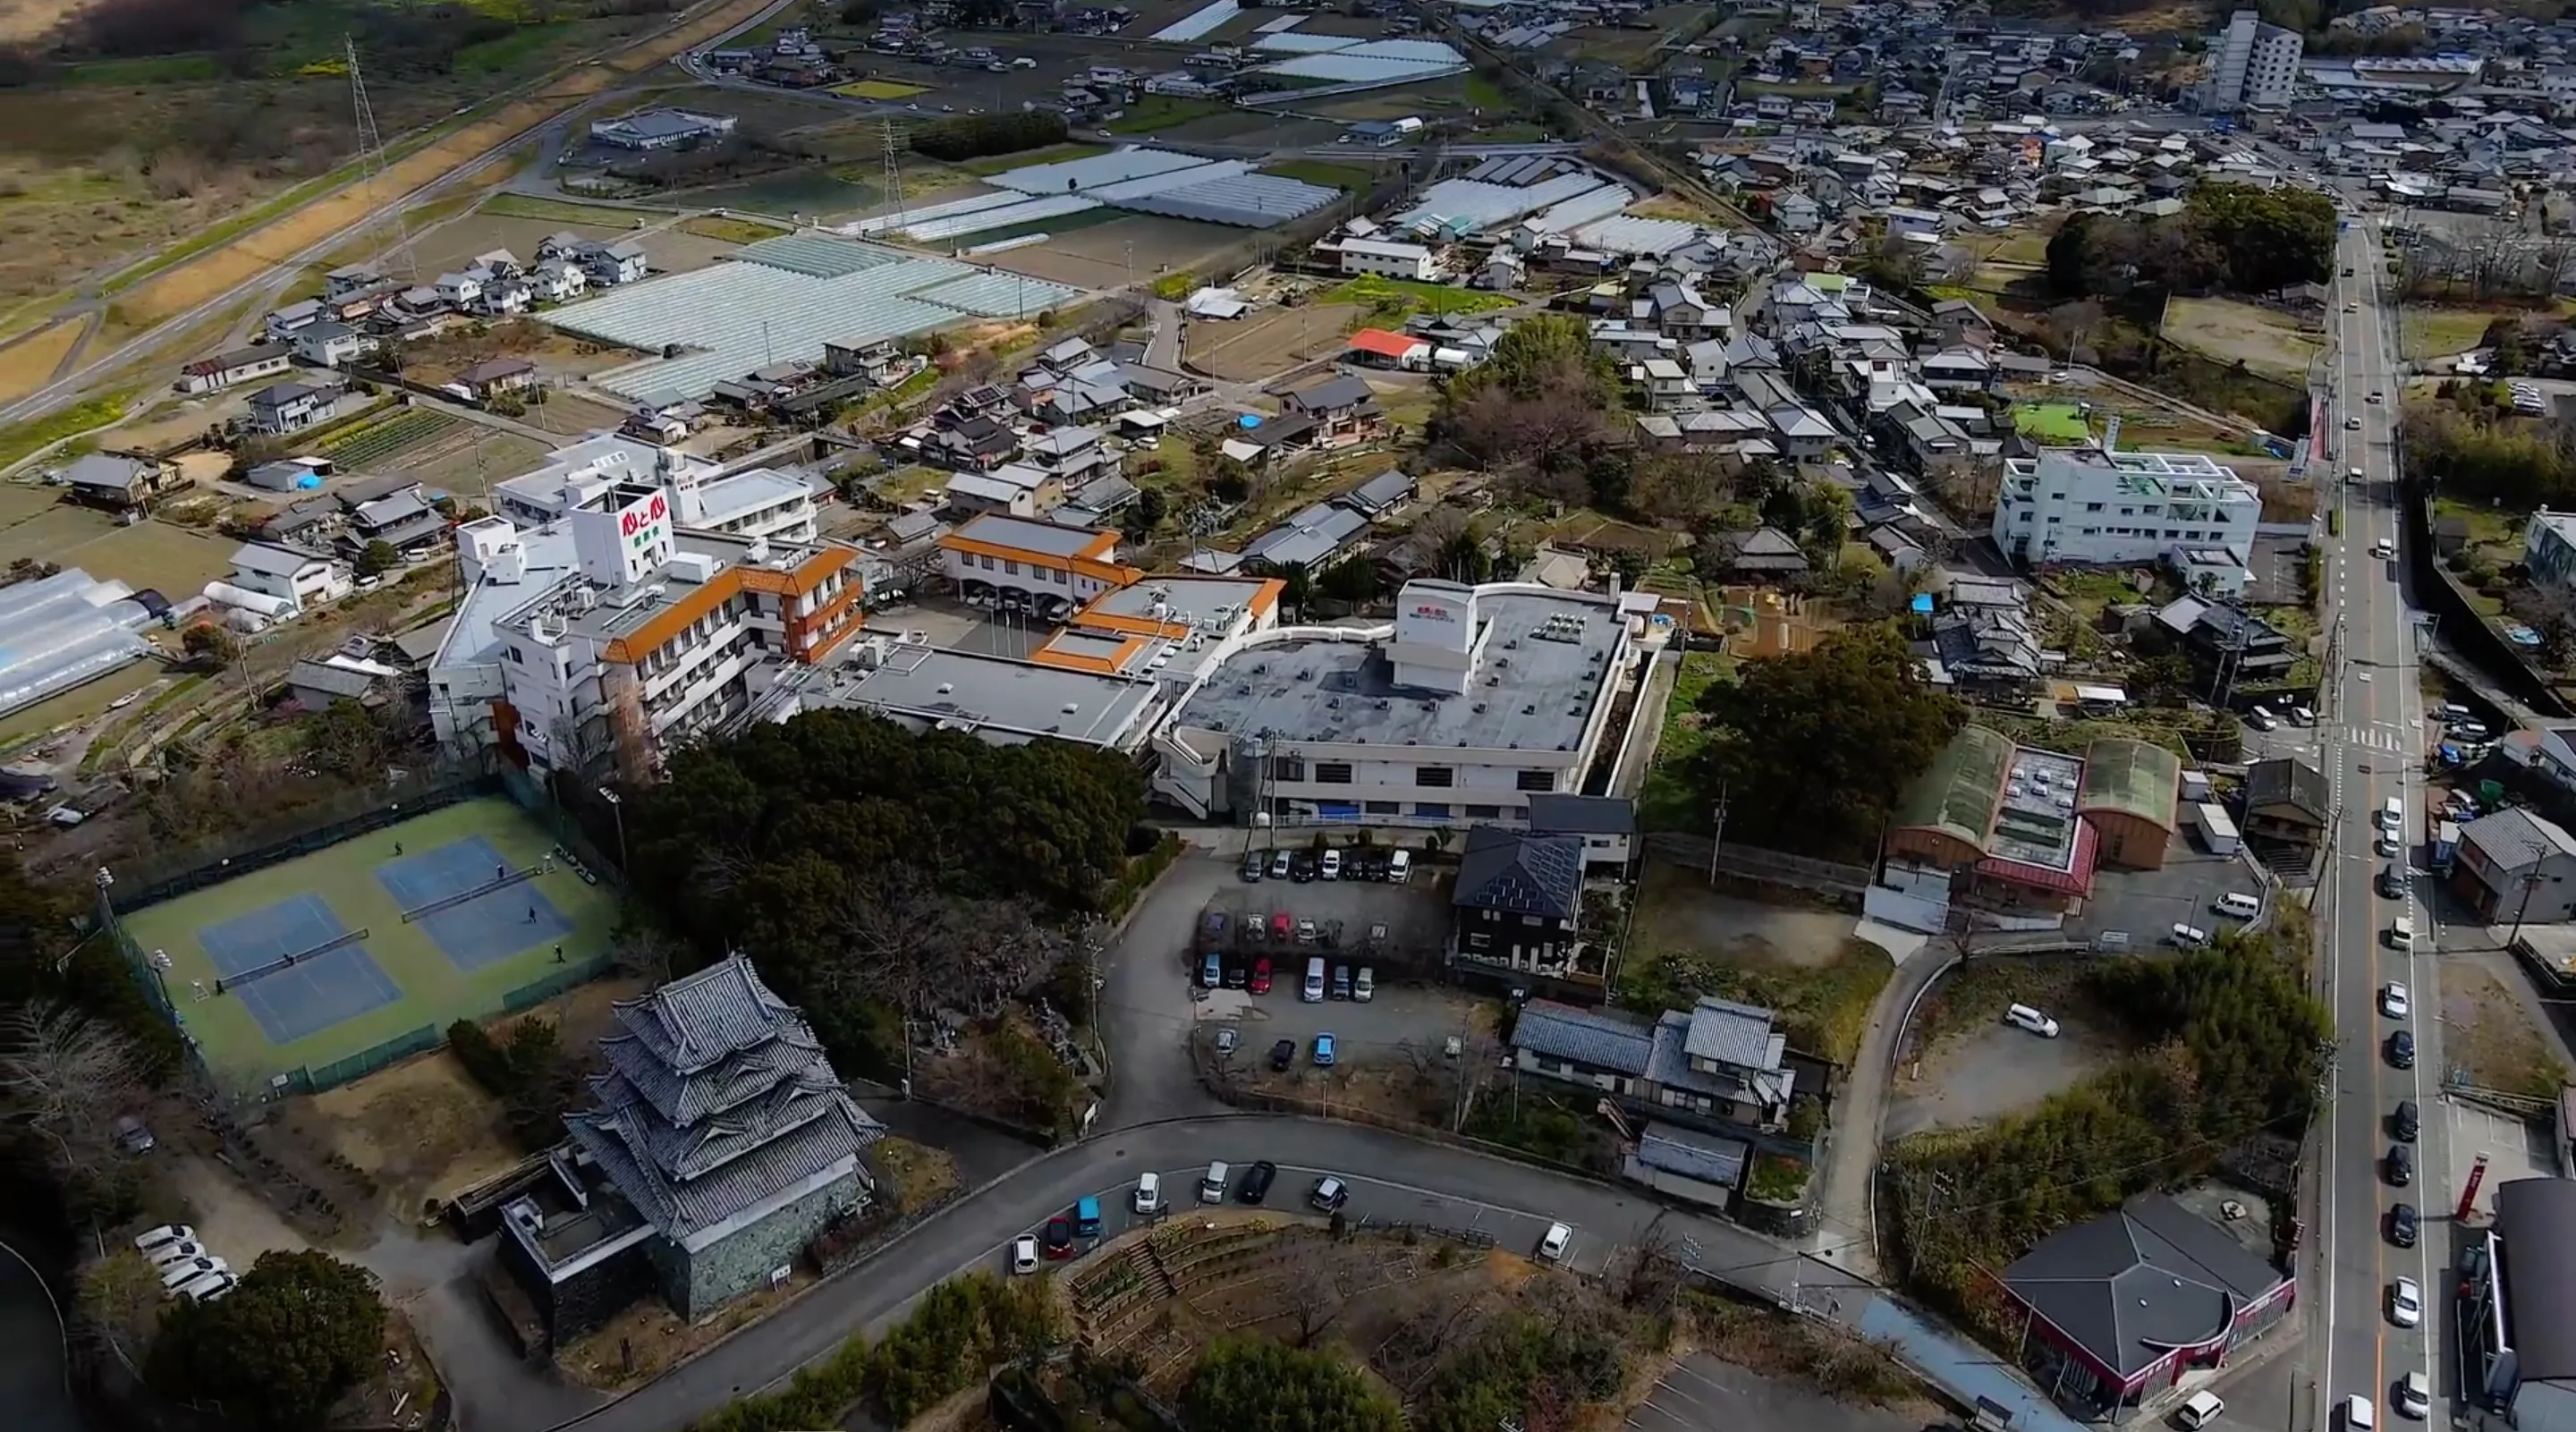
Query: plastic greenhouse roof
(1584, 208)
(735, 317)
(1250, 201)
(821, 255)
(1202, 21)
(1025, 211)
(1293, 44)
(996, 295)
(1489, 205)
(1134, 162)
(913, 214)
(1629, 235)
(1351, 67)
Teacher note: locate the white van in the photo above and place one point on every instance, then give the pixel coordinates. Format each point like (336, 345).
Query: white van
(2358, 1414)
(2401, 935)
(1149, 1193)
(1212, 1184)
(2262, 719)
(208, 1288)
(2392, 816)
(2025, 1017)
(2237, 905)
(1313, 990)
(1399, 867)
(2199, 1410)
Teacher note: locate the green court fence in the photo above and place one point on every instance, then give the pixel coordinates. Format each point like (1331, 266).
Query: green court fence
(564, 977)
(153, 879)
(561, 824)
(368, 1061)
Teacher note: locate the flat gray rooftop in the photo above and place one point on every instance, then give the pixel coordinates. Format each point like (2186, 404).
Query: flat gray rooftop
(1195, 599)
(2037, 823)
(1028, 534)
(1000, 700)
(1530, 692)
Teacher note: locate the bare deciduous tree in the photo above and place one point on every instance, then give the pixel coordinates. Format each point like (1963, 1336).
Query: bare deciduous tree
(1320, 1279)
(66, 1077)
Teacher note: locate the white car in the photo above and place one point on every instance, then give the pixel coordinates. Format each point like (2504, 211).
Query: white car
(2358, 1414)
(164, 1235)
(2352, 308)
(2387, 845)
(1024, 1253)
(1552, 1247)
(180, 1252)
(2414, 1395)
(2190, 936)
(1332, 865)
(2352, 424)
(175, 1276)
(2395, 1002)
(2405, 1303)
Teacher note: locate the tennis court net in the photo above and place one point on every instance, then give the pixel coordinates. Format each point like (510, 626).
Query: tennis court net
(288, 962)
(450, 902)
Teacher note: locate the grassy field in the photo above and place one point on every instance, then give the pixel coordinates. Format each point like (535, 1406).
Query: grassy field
(2234, 331)
(1317, 171)
(1392, 299)
(1663, 803)
(22, 440)
(2441, 332)
(2051, 422)
(880, 89)
(29, 363)
(1158, 111)
(558, 211)
(434, 990)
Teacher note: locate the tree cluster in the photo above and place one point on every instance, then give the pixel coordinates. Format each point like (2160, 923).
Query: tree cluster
(2477, 449)
(963, 1328)
(281, 1349)
(536, 1084)
(973, 136)
(1251, 1385)
(2234, 1045)
(1811, 751)
(2229, 237)
(1533, 1366)
(869, 870)
(1540, 410)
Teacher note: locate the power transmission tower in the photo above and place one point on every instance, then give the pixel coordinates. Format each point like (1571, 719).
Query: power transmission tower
(893, 174)
(371, 152)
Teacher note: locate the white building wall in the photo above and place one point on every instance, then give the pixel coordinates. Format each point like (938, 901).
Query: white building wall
(2272, 73)
(2069, 511)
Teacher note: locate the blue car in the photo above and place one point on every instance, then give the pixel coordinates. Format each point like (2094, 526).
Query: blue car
(1323, 1051)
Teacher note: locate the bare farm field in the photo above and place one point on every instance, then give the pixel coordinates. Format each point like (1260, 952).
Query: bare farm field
(1098, 256)
(2263, 339)
(207, 276)
(1249, 350)
(177, 561)
(29, 363)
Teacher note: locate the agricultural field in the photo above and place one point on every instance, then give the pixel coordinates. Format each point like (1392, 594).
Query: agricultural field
(29, 363)
(1386, 301)
(2430, 332)
(384, 442)
(2231, 330)
(880, 89)
(1251, 350)
(1102, 255)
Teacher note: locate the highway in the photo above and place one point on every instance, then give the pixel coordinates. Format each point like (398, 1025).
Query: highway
(2371, 735)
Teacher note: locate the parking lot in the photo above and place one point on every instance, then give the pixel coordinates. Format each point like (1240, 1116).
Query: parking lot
(1996, 1069)
(2146, 904)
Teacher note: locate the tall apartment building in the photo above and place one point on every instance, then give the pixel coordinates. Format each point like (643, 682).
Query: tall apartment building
(600, 637)
(2252, 65)
(2086, 506)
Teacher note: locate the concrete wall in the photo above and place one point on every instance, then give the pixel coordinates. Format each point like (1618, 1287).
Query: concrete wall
(697, 1284)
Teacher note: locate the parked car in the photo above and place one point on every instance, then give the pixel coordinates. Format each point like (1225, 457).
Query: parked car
(1280, 864)
(1256, 1182)
(1024, 1253)
(1252, 866)
(2401, 1050)
(1059, 1237)
(2414, 1395)
(1261, 975)
(2394, 1001)
(1364, 988)
(2400, 1165)
(1552, 1247)
(1282, 928)
(1323, 1051)
(1331, 865)
(1305, 932)
(1226, 1038)
(2402, 1225)
(1283, 1056)
(1302, 866)
(167, 1233)
(2406, 1122)
(1341, 981)
(188, 1270)
(1330, 1193)
(2405, 1303)
(170, 1254)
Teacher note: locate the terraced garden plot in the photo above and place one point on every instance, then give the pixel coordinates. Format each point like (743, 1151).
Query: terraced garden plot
(382, 442)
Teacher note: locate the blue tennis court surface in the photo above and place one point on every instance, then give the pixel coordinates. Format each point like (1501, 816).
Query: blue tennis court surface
(482, 931)
(306, 998)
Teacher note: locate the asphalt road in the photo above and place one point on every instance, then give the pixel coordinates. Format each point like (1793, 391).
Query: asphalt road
(2372, 729)
(1392, 1179)
(33, 1384)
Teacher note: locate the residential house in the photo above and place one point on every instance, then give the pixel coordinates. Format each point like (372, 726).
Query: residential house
(1379, 348)
(1961, 369)
(2287, 805)
(462, 290)
(285, 323)
(329, 344)
(1608, 825)
(1071, 456)
(282, 408)
(1344, 411)
(497, 377)
(319, 685)
(972, 443)
(557, 281)
(1015, 489)
(303, 579)
(1517, 912)
(121, 481)
(2216, 634)
(403, 519)
(611, 264)
(1719, 1060)
(1389, 260)
(2513, 867)
(1765, 554)
(238, 365)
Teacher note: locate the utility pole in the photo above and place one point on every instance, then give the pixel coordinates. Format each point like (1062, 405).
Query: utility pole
(1716, 833)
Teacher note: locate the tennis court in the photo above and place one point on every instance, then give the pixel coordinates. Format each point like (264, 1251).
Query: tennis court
(297, 967)
(255, 1016)
(469, 900)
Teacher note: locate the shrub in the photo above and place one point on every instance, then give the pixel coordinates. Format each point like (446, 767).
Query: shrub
(977, 135)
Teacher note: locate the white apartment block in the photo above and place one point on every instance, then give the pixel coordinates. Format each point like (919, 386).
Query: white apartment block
(600, 637)
(2253, 65)
(2085, 506)
(1471, 702)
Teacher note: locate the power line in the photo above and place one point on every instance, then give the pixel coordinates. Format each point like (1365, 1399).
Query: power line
(371, 151)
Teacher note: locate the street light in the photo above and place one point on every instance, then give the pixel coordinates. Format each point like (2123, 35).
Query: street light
(618, 808)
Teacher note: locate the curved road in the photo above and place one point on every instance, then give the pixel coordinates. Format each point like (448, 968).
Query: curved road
(1403, 1180)
(34, 1384)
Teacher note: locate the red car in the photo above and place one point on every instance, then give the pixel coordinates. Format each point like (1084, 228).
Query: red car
(1059, 1237)
(1282, 929)
(1261, 975)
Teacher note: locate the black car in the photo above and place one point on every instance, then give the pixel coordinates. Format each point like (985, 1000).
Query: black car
(1283, 1056)
(2401, 1225)
(1302, 866)
(1256, 1184)
(1253, 864)
(2401, 1050)
(1368, 865)
(2401, 1165)
(1236, 976)
(2406, 1121)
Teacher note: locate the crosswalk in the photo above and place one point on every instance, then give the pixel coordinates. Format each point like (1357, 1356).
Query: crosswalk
(2377, 738)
